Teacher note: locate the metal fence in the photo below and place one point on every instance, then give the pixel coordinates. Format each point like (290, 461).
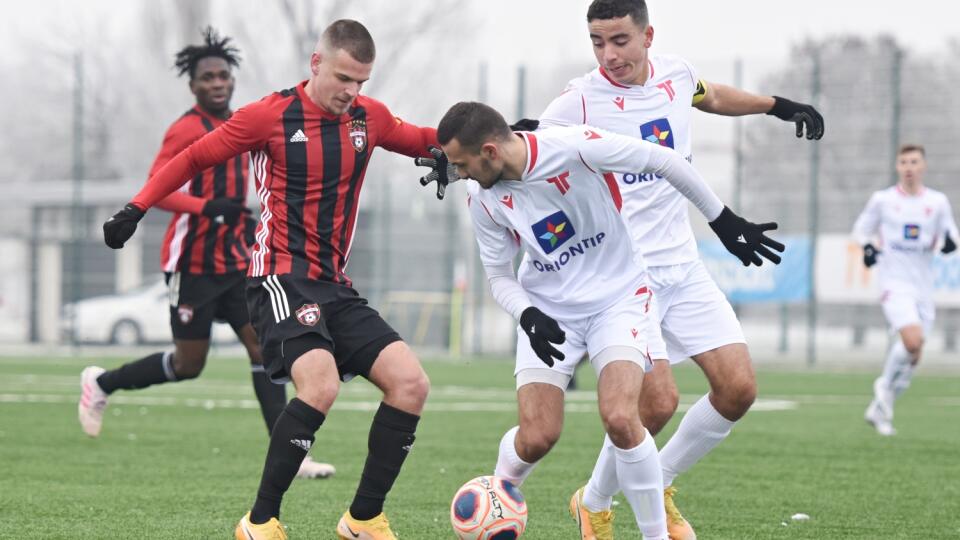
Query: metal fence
(415, 257)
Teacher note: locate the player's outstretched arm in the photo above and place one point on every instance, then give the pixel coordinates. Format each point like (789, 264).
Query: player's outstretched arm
(244, 131)
(729, 101)
(865, 227)
(611, 152)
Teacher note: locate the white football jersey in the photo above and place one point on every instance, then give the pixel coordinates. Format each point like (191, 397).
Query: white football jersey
(564, 212)
(910, 229)
(659, 112)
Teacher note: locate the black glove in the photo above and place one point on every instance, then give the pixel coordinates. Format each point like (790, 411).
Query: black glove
(442, 172)
(227, 209)
(870, 255)
(525, 124)
(948, 245)
(799, 113)
(543, 333)
(745, 239)
(119, 228)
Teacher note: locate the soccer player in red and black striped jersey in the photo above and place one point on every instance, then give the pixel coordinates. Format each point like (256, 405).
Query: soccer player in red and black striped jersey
(205, 253)
(311, 145)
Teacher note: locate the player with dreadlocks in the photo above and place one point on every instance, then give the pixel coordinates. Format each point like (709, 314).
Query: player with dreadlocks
(204, 256)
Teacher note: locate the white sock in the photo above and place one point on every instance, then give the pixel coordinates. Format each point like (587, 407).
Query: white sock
(509, 465)
(700, 431)
(898, 359)
(640, 477)
(602, 486)
(902, 380)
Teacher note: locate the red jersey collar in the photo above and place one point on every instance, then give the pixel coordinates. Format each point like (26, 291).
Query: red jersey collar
(532, 152)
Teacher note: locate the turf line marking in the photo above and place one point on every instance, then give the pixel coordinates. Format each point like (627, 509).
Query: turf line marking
(343, 405)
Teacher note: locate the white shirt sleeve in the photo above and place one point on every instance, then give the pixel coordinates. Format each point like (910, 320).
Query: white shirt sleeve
(498, 246)
(691, 71)
(610, 152)
(867, 224)
(506, 289)
(567, 109)
(947, 224)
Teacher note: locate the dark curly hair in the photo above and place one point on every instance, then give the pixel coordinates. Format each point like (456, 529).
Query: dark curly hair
(614, 9)
(213, 45)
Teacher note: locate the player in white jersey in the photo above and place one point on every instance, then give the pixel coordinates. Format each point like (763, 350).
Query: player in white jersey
(650, 96)
(910, 222)
(581, 286)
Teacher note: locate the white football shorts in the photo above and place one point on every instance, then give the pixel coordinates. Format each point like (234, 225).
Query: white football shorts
(695, 315)
(905, 309)
(618, 333)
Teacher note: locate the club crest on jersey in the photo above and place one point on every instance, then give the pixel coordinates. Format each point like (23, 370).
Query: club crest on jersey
(658, 132)
(911, 231)
(185, 313)
(308, 314)
(358, 134)
(553, 230)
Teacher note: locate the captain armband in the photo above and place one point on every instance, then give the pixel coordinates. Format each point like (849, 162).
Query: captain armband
(700, 92)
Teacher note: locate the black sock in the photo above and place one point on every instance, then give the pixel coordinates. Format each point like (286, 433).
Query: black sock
(290, 440)
(153, 369)
(391, 438)
(272, 397)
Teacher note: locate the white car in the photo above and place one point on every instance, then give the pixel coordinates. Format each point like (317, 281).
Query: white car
(139, 316)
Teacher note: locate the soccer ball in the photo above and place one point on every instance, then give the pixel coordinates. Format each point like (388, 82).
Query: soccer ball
(488, 508)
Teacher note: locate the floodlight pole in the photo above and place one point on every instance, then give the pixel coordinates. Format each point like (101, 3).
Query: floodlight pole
(814, 219)
(76, 210)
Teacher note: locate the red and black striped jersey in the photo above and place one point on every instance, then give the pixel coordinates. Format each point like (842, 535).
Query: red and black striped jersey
(194, 243)
(309, 167)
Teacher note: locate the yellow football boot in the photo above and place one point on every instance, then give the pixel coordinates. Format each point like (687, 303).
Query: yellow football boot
(375, 528)
(677, 527)
(593, 525)
(271, 530)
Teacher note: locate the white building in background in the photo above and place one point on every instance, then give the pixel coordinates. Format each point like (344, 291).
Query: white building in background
(39, 263)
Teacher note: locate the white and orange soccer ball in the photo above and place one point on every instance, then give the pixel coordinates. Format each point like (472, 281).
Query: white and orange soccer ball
(488, 508)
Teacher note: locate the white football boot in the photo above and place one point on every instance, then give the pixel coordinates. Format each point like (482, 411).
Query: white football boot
(315, 469)
(93, 400)
(880, 411)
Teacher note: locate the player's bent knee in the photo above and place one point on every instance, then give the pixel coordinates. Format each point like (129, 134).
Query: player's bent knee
(657, 416)
(735, 399)
(657, 406)
(913, 346)
(416, 387)
(186, 368)
(623, 427)
(532, 445)
(319, 394)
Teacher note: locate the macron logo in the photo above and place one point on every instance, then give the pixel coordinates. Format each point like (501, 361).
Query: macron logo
(302, 443)
(741, 239)
(299, 137)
